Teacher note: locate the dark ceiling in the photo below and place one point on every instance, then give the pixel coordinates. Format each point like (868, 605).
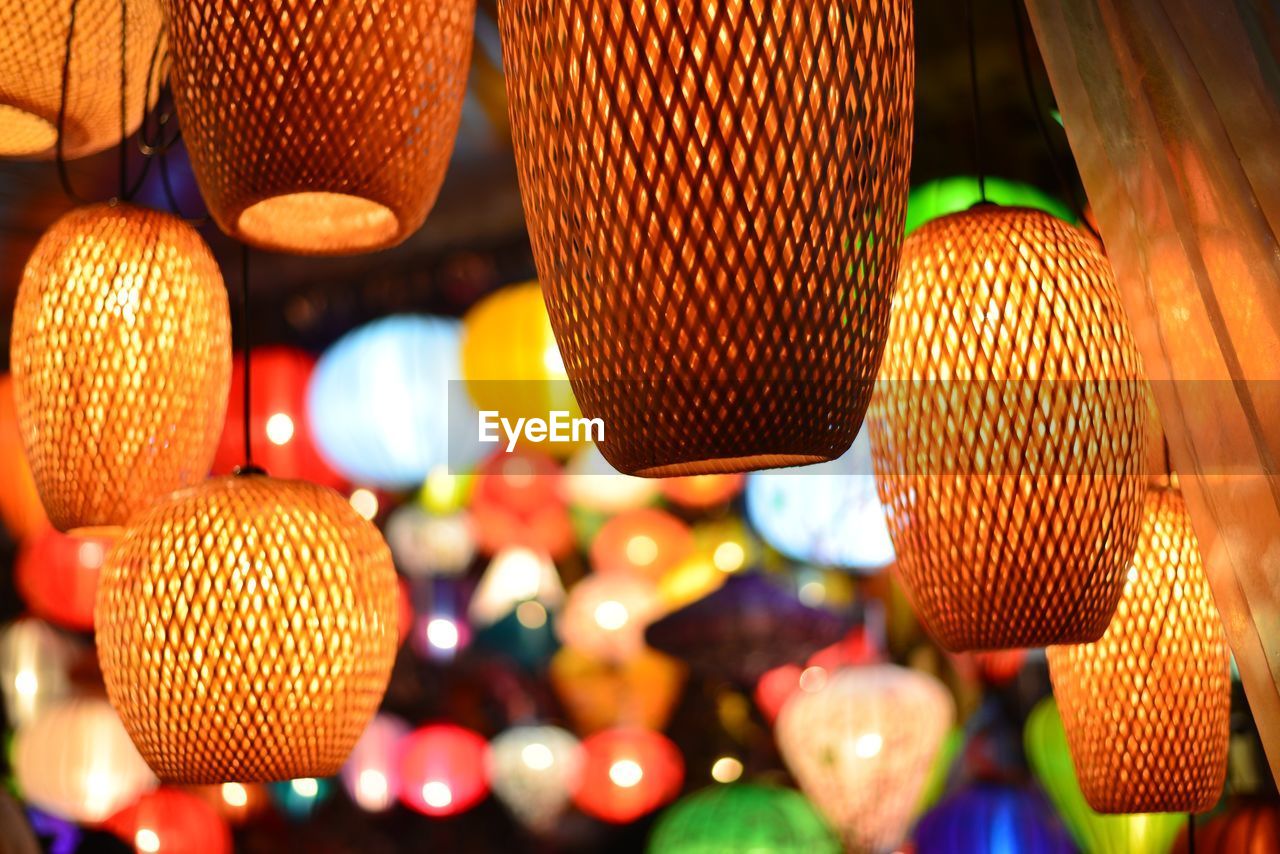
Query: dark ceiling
(474, 239)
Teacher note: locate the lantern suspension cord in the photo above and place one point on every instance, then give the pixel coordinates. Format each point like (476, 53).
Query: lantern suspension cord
(246, 344)
(1191, 833)
(124, 99)
(59, 160)
(976, 102)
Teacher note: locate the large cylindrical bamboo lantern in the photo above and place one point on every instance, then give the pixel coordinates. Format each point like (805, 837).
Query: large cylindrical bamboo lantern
(715, 195)
(1146, 707)
(33, 48)
(246, 630)
(1007, 431)
(320, 128)
(121, 359)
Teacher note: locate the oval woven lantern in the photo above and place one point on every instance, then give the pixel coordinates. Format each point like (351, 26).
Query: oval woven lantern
(1146, 708)
(121, 358)
(309, 127)
(715, 196)
(246, 630)
(1007, 431)
(33, 48)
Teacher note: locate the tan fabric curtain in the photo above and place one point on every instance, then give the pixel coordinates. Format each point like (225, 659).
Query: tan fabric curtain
(1172, 108)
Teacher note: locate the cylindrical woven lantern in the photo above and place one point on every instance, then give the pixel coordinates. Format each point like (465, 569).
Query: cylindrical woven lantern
(121, 358)
(743, 817)
(1008, 431)
(310, 128)
(443, 769)
(715, 195)
(626, 773)
(533, 770)
(861, 742)
(33, 48)
(1146, 708)
(246, 630)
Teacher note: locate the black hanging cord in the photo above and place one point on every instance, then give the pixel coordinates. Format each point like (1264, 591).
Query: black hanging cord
(246, 346)
(60, 160)
(124, 100)
(979, 162)
(1191, 833)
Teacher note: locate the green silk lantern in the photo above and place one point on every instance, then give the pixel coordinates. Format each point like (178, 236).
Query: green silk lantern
(1046, 744)
(951, 195)
(743, 817)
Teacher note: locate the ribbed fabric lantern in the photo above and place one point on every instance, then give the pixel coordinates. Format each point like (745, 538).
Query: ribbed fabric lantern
(715, 195)
(1146, 708)
(743, 817)
(35, 662)
(992, 819)
(626, 773)
(309, 130)
(533, 770)
(121, 357)
(33, 47)
(1008, 431)
(860, 743)
(246, 630)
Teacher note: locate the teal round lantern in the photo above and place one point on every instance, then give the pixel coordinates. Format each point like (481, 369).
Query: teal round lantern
(951, 195)
(743, 817)
(299, 799)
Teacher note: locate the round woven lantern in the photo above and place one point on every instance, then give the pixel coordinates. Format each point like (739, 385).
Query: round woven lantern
(246, 630)
(309, 129)
(1008, 431)
(721, 305)
(1146, 708)
(121, 358)
(861, 742)
(743, 817)
(33, 48)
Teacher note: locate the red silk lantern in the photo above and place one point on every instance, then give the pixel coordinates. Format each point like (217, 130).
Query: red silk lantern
(627, 773)
(20, 506)
(57, 576)
(172, 821)
(646, 542)
(281, 430)
(776, 686)
(1248, 826)
(442, 769)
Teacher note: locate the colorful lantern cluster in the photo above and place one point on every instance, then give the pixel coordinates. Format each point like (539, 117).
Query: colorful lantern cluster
(592, 484)
(371, 774)
(516, 500)
(515, 577)
(605, 616)
(597, 694)
(646, 542)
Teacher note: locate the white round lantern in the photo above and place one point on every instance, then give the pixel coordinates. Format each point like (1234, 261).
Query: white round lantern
(371, 774)
(516, 575)
(534, 770)
(34, 659)
(426, 546)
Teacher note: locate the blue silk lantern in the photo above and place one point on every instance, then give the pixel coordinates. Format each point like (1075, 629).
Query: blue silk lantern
(991, 818)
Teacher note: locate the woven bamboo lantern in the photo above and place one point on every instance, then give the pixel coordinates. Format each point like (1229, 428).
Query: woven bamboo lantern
(715, 196)
(246, 630)
(121, 356)
(1008, 431)
(309, 127)
(33, 47)
(1146, 707)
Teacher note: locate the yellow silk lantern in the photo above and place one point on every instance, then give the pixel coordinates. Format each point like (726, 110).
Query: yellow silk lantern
(599, 694)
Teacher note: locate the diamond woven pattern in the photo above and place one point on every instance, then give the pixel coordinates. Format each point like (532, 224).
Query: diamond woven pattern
(121, 357)
(246, 631)
(33, 44)
(1007, 431)
(715, 194)
(320, 128)
(1146, 708)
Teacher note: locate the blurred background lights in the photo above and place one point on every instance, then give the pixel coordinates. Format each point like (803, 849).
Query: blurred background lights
(626, 773)
(729, 556)
(146, 840)
(611, 615)
(537, 756)
(436, 794)
(442, 633)
(305, 787)
(279, 429)
(364, 502)
(235, 794)
(726, 769)
(868, 745)
(531, 615)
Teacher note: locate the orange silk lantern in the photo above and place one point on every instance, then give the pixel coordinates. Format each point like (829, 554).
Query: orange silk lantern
(1247, 826)
(57, 576)
(645, 542)
(605, 615)
(20, 507)
(627, 773)
(171, 821)
(443, 769)
(596, 694)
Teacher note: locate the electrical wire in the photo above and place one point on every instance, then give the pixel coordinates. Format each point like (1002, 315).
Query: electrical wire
(976, 102)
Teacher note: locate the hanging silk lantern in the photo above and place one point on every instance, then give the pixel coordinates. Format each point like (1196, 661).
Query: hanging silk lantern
(1008, 431)
(426, 546)
(596, 694)
(20, 507)
(442, 770)
(860, 742)
(380, 404)
(1146, 708)
(121, 355)
(992, 819)
(605, 616)
(1248, 826)
(57, 576)
(532, 770)
(280, 429)
(35, 37)
(513, 577)
(829, 514)
(288, 602)
(171, 821)
(34, 664)
(1050, 759)
(702, 491)
(76, 761)
(592, 484)
(371, 774)
(308, 132)
(743, 817)
(647, 542)
(936, 199)
(721, 307)
(300, 797)
(627, 773)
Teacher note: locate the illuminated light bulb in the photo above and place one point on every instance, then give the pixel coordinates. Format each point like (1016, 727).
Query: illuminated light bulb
(235, 795)
(26, 683)
(279, 429)
(437, 794)
(146, 841)
(537, 756)
(442, 633)
(306, 787)
(729, 556)
(372, 787)
(726, 769)
(364, 502)
(626, 773)
(611, 616)
(868, 745)
(531, 615)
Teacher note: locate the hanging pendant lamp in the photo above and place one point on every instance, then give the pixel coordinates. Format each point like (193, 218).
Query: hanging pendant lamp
(121, 358)
(1008, 431)
(320, 128)
(1146, 707)
(715, 195)
(246, 630)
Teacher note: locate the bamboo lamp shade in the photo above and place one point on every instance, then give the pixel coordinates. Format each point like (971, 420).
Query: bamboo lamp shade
(246, 630)
(715, 195)
(319, 128)
(121, 357)
(1007, 432)
(33, 47)
(1146, 707)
